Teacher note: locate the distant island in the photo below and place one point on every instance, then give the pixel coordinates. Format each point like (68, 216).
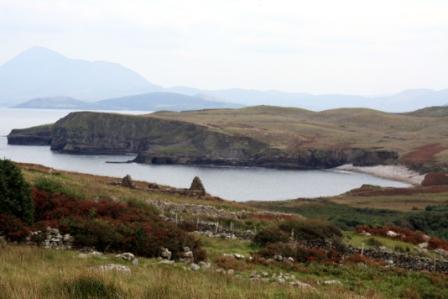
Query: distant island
(154, 101)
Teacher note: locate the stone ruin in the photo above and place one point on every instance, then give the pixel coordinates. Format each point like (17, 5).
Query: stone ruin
(127, 182)
(197, 187)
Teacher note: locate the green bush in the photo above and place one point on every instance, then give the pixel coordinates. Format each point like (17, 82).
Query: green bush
(311, 230)
(15, 193)
(271, 234)
(304, 230)
(433, 220)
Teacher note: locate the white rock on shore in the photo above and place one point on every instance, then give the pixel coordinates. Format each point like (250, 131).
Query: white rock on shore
(391, 172)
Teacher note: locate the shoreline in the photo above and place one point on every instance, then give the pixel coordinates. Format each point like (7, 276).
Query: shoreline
(392, 172)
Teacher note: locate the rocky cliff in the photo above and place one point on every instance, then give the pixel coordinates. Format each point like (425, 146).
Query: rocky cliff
(40, 135)
(162, 141)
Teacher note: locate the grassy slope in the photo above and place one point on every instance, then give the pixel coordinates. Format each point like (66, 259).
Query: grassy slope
(431, 111)
(65, 274)
(292, 128)
(101, 187)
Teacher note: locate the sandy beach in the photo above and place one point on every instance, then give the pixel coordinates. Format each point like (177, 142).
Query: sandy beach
(392, 172)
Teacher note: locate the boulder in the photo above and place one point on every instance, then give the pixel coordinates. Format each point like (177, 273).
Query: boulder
(423, 245)
(127, 256)
(166, 253)
(392, 234)
(204, 265)
(195, 267)
(238, 256)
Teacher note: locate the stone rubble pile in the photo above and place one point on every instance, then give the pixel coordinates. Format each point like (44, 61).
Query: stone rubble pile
(402, 260)
(281, 278)
(115, 267)
(187, 255)
(50, 238)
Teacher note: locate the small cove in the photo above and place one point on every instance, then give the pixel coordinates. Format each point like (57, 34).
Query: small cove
(240, 184)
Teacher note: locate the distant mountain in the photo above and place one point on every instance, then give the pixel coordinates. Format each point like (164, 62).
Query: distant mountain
(54, 103)
(40, 72)
(43, 73)
(155, 101)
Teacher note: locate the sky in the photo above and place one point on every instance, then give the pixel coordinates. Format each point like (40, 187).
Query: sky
(319, 46)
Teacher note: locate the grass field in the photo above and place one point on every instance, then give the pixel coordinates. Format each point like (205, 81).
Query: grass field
(29, 272)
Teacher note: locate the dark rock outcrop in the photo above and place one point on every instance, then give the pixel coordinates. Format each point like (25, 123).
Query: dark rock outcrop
(162, 141)
(40, 135)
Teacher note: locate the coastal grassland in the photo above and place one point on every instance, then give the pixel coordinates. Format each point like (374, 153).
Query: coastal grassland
(401, 203)
(79, 185)
(419, 208)
(370, 281)
(293, 128)
(31, 272)
(345, 216)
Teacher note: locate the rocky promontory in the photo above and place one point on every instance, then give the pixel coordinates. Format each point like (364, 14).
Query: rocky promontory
(164, 141)
(40, 135)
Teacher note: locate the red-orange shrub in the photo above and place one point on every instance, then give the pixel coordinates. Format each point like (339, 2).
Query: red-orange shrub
(435, 179)
(405, 234)
(12, 228)
(105, 225)
(294, 250)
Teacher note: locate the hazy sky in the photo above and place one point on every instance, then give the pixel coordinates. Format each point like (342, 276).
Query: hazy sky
(320, 46)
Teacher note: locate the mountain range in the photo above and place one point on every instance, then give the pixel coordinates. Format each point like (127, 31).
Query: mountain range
(61, 82)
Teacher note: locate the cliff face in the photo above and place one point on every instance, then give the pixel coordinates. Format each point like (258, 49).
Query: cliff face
(102, 133)
(162, 141)
(40, 135)
(272, 158)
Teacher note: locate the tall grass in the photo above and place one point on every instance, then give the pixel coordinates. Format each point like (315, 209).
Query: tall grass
(35, 273)
(53, 185)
